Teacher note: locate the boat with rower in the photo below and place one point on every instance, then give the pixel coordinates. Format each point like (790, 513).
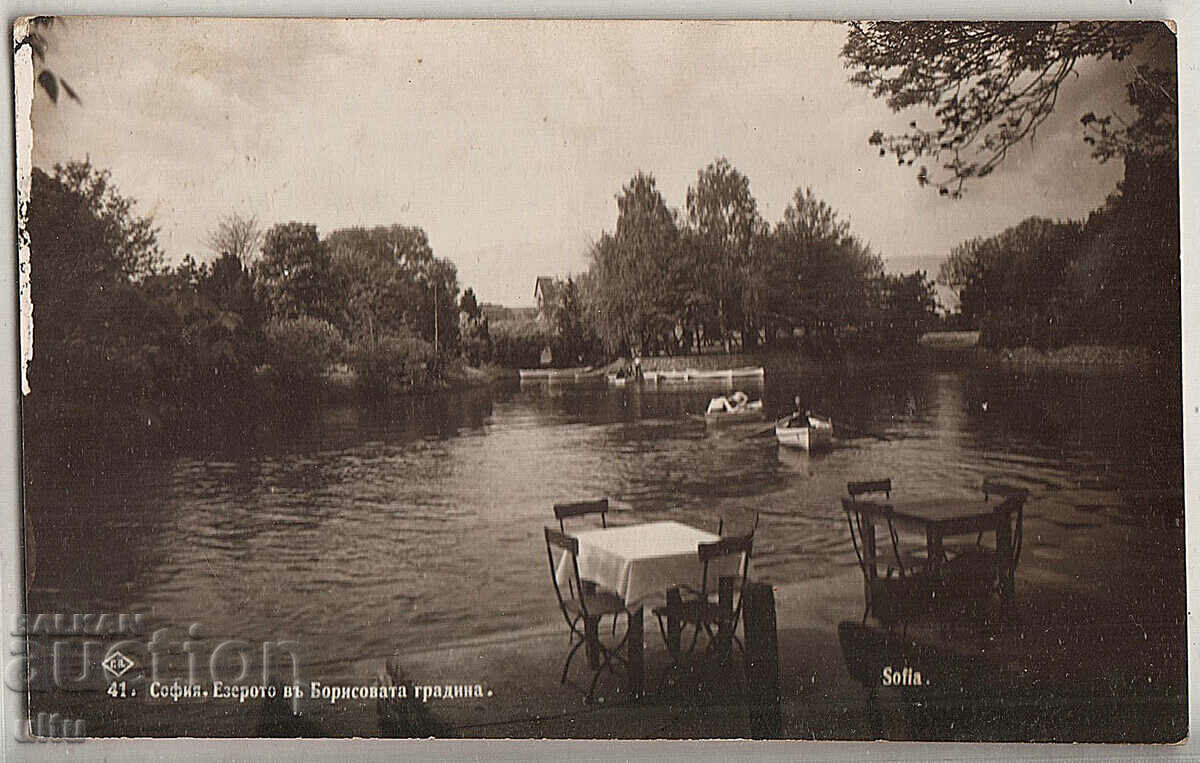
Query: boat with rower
(804, 431)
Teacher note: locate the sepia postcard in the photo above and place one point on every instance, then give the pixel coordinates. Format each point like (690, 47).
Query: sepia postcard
(524, 379)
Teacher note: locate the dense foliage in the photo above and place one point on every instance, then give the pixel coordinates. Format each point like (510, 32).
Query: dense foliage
(722, 277)
(115, 330)
(990, 85)
(1112, 279)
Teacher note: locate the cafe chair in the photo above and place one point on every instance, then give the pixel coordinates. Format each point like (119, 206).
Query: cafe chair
(715, 614)
(568, 510)
(721, 524)
(912, 560)
(564, 511)
(583, 607)
(1014, 498)
(982, 554)
(856, 489)
(904, 592)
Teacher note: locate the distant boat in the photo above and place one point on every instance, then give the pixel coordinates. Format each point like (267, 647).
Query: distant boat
(670, 375)
(705, 375)
(747, 371)
(556, 374)
(814, 434)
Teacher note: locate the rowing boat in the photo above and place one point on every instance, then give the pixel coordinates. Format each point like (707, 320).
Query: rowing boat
(817, 435)
(556, 374)
(706, 375)
(755, 372)
(721, 411)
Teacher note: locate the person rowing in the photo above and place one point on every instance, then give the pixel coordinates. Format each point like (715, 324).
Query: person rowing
(800, 417)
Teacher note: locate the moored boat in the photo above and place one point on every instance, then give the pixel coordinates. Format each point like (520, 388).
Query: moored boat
(555, 374)
(747, 372)
(671, 376)
(694, 374)
(804, 432)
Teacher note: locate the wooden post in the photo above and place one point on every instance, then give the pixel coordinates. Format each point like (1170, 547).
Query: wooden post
(674, 624)
(1004, 557)
(725, 626)
(762, 661)
(591, 633)
(636, 647)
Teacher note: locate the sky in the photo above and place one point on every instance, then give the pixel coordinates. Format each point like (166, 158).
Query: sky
(508, 141)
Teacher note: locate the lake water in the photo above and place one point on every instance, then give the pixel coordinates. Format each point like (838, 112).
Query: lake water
(360, 530)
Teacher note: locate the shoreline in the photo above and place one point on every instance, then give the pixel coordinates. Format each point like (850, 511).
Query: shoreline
(152, 420)
(1020, 682)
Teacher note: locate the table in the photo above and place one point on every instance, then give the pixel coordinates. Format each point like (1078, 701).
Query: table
(942, 518)
(639, 563)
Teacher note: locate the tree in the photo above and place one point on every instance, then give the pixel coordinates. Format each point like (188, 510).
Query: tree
(634, 293)
(126, 244)
(725, 216)
(991, 84)
(236, 235)
(206, 335)
(474, 332)
(1126, 277)
(294, 273)
(575, 340)
(37, 37)
(88, 249)
(907, 308)
(821, 274)
(387, 277)
(1023, 268)
(469, 306)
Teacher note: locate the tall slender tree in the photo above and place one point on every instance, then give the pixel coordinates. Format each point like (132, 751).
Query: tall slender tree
(724, 215)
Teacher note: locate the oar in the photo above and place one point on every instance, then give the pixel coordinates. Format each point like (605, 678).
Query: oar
(855, 430)
(769, 428)
(760, 432)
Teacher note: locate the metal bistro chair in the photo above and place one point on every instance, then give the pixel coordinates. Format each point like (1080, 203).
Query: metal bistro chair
(582, 607)
(906, 591)
(982, 555)
(717, 619)
(564, 511)
(1014, 498)
(570, 509)
(905, 560)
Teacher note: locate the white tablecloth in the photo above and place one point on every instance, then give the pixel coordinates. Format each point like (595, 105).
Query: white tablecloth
(641, 562)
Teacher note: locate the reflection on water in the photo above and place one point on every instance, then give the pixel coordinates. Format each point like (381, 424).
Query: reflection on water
(359, 530)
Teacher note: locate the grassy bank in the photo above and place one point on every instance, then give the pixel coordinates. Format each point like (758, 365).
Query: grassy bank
(950, 340)
(1075, 356)
(778, 361)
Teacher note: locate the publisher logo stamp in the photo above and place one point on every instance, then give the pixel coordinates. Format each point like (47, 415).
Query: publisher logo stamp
(117, 664)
